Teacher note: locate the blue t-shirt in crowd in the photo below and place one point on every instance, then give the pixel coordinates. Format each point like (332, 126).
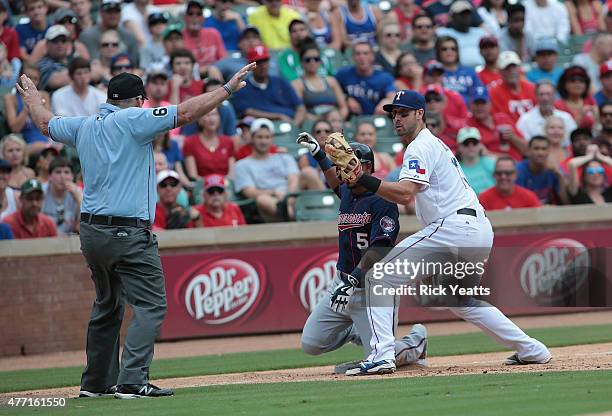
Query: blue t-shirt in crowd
(545, 184)
(173, 154)
(368, 91)
(28, 36)
(278, 96)
(536, 74)
(601, 99)
(463, 81)
(228, 29)
(5, 232)
(228, 122)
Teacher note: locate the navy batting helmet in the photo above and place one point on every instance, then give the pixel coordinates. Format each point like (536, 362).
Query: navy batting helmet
(363, 153)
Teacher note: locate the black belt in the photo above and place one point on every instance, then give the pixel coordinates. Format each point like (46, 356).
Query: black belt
(117, 221)
(467, 211)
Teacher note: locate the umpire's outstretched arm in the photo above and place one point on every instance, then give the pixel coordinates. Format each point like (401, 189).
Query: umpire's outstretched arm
(189, 111)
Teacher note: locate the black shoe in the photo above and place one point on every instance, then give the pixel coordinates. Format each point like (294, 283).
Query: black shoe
(109, 391)
(135, 391)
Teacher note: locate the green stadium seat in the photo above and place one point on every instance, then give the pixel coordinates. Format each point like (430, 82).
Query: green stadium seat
(337, 59)
(316, 206)
(576, 43)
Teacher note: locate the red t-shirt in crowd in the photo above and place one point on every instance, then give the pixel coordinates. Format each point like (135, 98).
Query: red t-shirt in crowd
(490, 78)
(192, 90)
(11, 40)
(44, 226)
(588, 117)
(405, 21)
(492, 199)
(246, 150)
(207, 48)
(232, 216)
(489, 137)
(515, 104)
(209, 162)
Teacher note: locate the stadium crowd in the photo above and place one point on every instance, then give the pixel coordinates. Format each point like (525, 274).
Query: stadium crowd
(520, 91)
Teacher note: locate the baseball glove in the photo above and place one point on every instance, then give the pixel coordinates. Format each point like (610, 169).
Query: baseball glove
(348, 166)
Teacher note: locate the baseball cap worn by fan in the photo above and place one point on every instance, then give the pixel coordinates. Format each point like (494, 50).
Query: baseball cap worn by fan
(605, 68)
(411, 100)
(214, 181)
(508, 58)
(31, 185)
(258, 53)
(480, 94)
(125, 86)
(460, 6)
(247, 30)
(61, 14)
(165, 174)
(258, 123)
(467, 133)
(432, 66)
(156, 17)
(173, 28)
(488, 41)
(546, 45)
(56, 31)
(110, 4)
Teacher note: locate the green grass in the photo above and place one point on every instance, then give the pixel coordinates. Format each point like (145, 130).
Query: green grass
(470, 343)
(553, 393)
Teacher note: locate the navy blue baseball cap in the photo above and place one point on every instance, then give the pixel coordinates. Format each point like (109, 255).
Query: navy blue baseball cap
(480, 94)
(406, 99)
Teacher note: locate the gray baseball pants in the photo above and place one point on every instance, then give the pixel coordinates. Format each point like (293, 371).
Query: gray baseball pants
(125, 267)
(327, 330)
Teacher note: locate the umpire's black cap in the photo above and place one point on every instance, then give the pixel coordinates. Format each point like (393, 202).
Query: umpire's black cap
(125, 86)
(363, 153)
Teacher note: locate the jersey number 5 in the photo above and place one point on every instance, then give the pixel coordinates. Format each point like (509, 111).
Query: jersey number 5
(362, 241)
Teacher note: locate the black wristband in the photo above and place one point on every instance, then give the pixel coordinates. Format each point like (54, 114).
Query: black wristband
(369, 182)
(323, 160)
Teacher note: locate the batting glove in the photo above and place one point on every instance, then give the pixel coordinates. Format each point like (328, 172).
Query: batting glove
(308, 142)
(342, 292)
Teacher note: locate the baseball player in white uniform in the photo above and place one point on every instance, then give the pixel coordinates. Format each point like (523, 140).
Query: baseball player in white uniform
(453, 219)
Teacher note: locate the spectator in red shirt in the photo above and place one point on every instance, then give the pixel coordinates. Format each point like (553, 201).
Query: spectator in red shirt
(514, 95)
(168, 213)
(205, 42)
(506, 195)
(437, 102)
(573, 87)
(489, 49)
(28, 222)
(182, 85)
(208, 153)
(8, 35)
(216, 211)
(497, 131)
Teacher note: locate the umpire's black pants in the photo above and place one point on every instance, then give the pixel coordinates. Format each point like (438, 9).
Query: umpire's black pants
(125, 266)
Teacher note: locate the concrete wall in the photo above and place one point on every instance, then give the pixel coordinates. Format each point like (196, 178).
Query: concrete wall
(46, 292)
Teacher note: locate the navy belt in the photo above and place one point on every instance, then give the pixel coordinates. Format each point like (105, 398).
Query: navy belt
(117, 221)
(467, 211)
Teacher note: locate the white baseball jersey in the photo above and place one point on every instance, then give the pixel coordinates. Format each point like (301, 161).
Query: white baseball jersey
(445, 190)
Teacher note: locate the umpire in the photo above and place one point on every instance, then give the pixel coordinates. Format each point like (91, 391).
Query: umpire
(118, 209)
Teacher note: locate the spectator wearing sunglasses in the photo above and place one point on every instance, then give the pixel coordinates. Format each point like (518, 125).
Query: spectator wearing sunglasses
(467, 37)
(62, 200)
(169, 215)
(216, 211)
(121, 63)
(54, 66)
(477, 167)
(319, 92)
(68, 19)
(506, 195)
(574, 89)
(592, 186)
(289, 62)
(423, 43)
(389, 38)
(110, 45)
(320, 130)
(459, 78)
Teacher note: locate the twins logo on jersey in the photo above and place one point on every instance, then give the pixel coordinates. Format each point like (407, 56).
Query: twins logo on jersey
(348, 221)
(387, 224)
(414, 165)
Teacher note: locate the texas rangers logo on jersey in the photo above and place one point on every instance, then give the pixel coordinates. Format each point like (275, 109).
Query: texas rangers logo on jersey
(414, 165)
(348, 221)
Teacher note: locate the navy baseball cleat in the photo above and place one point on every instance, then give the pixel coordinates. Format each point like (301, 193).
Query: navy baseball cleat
(109, 391)
(368, 368)
(136, 391)
(515, 360)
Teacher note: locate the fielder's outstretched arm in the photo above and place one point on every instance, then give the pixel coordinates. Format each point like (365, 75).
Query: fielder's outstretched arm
(399, 192)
